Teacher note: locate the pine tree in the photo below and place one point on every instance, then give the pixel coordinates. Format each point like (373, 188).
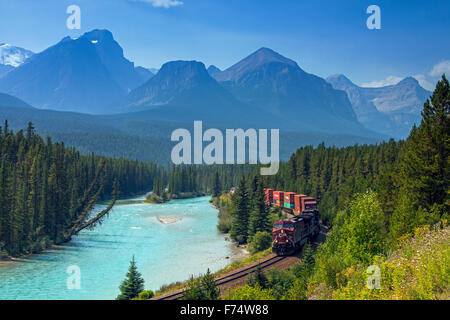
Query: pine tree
(259, 215)
(216, 185)
(239, 228)
(194, 290)
(133, 283)
(258, 278)
(209, 286)
(425, 162)
(308, 256)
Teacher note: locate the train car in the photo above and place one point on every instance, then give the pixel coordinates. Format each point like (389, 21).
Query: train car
(309, 204)
(289, 200)
(291, 234)
(278, 199)
(304, 203)
(268, 196)
(298, 203)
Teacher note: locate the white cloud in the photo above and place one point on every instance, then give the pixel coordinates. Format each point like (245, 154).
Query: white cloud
(424, 82)
(162, 3)
(389, 81)
(439, 69)
(427, 81)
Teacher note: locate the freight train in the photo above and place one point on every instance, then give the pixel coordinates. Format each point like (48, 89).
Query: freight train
(291, 234)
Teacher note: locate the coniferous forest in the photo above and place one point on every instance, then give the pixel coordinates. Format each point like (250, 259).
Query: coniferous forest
(47, 190)
(385, 204)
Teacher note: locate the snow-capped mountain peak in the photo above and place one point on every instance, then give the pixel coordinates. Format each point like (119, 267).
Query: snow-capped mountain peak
(13, 56)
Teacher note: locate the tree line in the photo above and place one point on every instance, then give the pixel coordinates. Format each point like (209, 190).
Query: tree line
(210, 179)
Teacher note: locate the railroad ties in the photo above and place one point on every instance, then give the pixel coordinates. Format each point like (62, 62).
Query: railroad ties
(231, 277)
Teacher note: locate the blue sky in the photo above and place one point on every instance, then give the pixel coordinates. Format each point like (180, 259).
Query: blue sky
(323, 36)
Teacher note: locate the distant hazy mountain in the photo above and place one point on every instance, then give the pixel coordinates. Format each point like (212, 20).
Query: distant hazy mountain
(144, 74)
(278, 85)
(87, 74)
(391, 110)
(213, 71)
(9, 101)
(171, 82)
(111, 55)
(184, 91)
(13, 56)
(4, 68)
(67, 76)
(264, 90)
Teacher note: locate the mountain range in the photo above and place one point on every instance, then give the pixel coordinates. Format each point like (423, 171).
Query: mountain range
(91, 75)
(263, 90)
(391, 110)
(94, 93)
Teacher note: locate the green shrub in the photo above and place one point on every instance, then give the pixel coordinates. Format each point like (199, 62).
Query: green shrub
(225, 222)
(260, 241)
(145, 295)
(203, 288)
(249, 293)
(280, 281)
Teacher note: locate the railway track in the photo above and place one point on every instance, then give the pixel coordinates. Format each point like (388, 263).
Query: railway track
(245, 271)
(238, 274)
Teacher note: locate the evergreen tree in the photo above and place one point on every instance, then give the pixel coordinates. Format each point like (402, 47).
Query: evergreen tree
(216, 185)
(259, 216)
(132, 285)
(194, 290)
(258, 278)
(209, 286)
(308, 256)
(425, 160)
(239, 228)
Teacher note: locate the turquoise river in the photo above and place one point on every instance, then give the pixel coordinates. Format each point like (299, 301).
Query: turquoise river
(164, 252)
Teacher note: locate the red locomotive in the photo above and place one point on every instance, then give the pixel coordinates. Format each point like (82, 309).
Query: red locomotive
(291, 234)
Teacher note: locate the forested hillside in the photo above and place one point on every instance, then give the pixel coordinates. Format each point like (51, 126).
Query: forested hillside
(139, 136)
(387, 205)
(47, 191)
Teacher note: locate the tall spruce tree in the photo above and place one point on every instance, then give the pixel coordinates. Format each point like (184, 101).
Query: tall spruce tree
(216, 185)
(259, 214)
(132, 285)
(239, 228)
(425, 160)
(209, 285)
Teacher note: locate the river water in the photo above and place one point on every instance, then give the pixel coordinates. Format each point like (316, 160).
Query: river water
(164, 253)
